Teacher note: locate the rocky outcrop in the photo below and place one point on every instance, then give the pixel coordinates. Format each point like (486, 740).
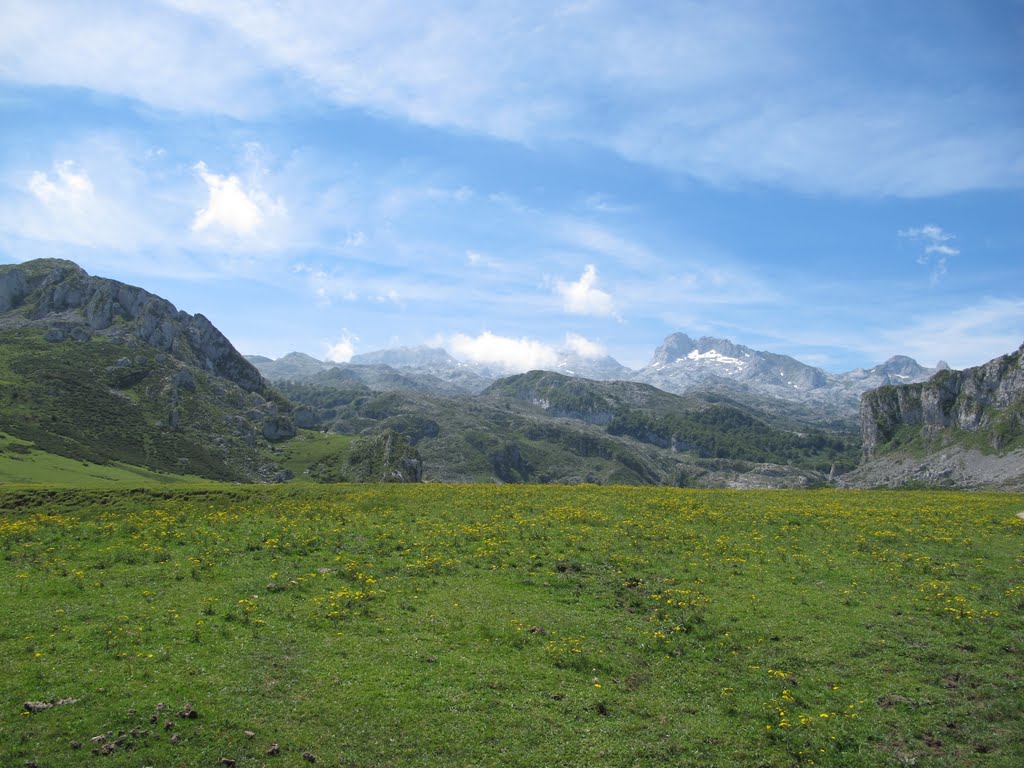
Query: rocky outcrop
(385, 458)
(278, 427)
(13, 288)
(951, 467)
(510, 466)
(988, 399)
(61, 295)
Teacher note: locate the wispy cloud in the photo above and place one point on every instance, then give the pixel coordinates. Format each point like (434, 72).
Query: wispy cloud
(713, 91)
(936, 247)
(963, 337)
(146, 51)
(67, 186)
(79, 201)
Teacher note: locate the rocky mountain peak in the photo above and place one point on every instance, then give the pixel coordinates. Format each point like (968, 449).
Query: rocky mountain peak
(675, 347)
(64, 298)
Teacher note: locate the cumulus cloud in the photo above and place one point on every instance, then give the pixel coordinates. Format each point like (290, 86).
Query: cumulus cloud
(584, 347)
(583, 297)
(343, 349)
(230, 208)
(515, 355)
(936, 247)
(506, 353)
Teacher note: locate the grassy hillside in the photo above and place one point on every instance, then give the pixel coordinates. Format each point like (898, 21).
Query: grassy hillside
(515, 626)
(22, 463)
(102, 402)
(544, 427)
(315, 457)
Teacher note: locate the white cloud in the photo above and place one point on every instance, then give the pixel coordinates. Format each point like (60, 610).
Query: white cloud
(584, 347)
(356, 240)
(583, 297)
(928, 232)
(136, 210)
(326, 287)
(144, 51)
(343, 349)
(596, 239)
(87, 202)
(935, 240)
(603, 204)
(717, 91)
(508, 354)
(963, 337)
(70, 187)
(230, 208)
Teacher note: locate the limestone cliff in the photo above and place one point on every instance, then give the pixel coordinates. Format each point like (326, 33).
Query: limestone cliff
(63, 297)
(985, 400)
(962, 429)
(100, 371)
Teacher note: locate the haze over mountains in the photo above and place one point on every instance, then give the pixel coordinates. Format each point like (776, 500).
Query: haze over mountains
(679, 365)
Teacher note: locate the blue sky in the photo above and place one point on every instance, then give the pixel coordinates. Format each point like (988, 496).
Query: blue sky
(838, 181)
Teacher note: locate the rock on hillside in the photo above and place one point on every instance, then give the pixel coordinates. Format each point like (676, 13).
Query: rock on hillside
(385, 458)
(61, 296)
(100, 371)
(986, 400)
(959, 429)
(682, 358)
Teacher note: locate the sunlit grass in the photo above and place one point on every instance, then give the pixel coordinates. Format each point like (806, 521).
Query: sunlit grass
(483, 625)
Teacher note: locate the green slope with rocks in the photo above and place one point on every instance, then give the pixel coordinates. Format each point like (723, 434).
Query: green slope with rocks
(102, 372)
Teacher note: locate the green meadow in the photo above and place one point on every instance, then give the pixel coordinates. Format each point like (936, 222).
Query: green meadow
(393, 625)
(23, 463)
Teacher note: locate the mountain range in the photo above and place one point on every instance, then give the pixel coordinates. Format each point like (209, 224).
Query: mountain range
(104, 373)
(773, 382)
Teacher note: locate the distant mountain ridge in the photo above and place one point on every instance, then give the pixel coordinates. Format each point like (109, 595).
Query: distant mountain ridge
(679, 365)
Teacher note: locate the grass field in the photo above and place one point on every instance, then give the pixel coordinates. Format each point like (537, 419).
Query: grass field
(23, 463)
(514, 626)
(314, 455)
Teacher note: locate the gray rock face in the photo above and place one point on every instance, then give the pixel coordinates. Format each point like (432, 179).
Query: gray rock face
(972, 400)
(305, 417)
(680, 365)
(277, 427)
(385, 458)
(13, 288)
(950, 467)
(45, 289)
